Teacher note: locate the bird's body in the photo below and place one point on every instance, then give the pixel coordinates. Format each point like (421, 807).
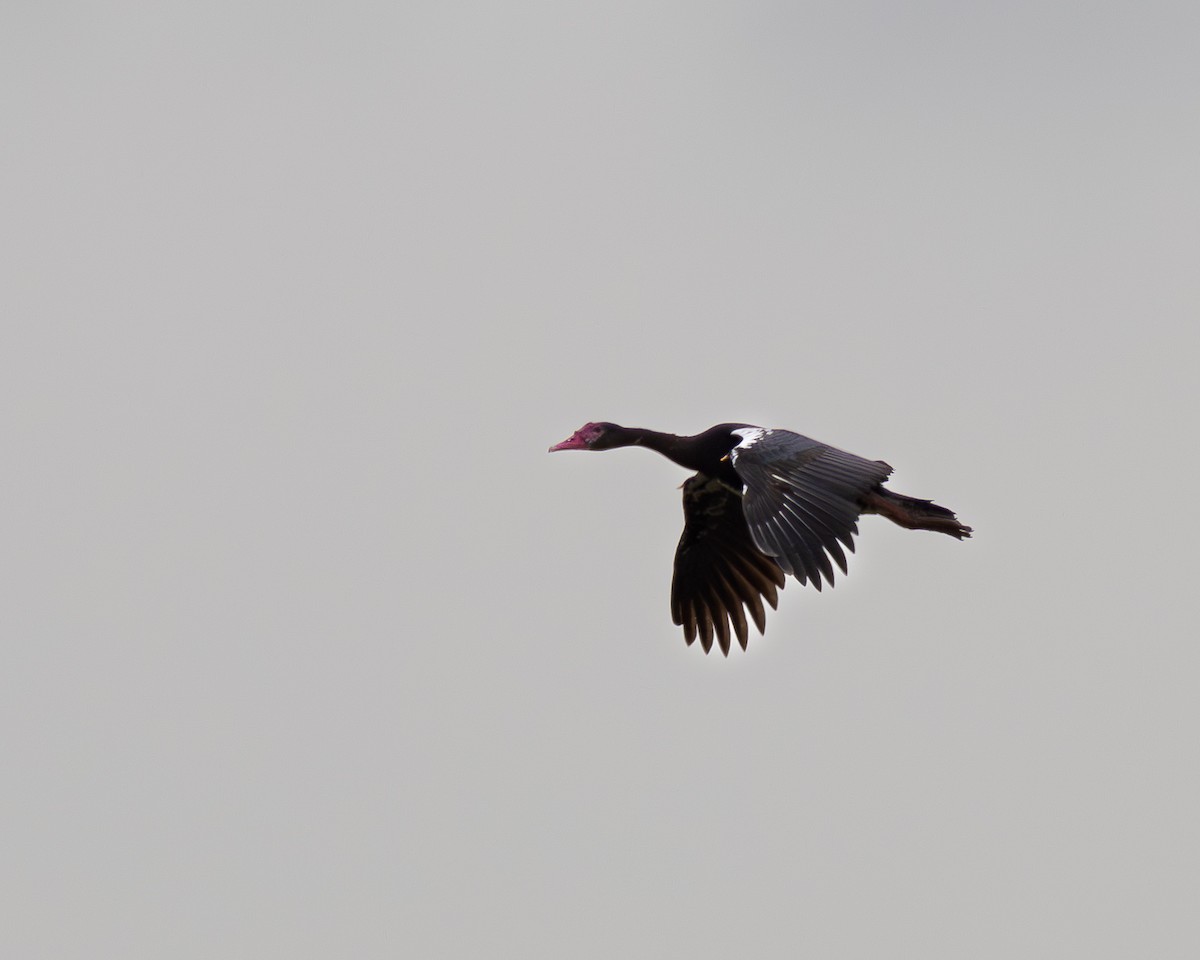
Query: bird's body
(762, 504)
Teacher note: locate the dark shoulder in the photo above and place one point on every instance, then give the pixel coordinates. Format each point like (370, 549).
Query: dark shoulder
(722, 437)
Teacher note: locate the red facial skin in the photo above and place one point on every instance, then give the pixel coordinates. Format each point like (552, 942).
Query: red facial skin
(581, 439)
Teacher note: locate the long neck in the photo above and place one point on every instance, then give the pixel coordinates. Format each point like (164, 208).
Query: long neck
(701, 452)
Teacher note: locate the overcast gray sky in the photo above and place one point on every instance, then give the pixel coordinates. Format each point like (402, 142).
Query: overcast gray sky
(310, 650)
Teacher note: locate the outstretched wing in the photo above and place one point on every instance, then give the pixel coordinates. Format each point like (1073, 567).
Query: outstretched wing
(803, 499)
(718, 569)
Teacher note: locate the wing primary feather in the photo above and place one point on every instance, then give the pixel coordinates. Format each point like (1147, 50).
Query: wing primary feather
(716, 617)
(822, 531)
(687, 619)
(832, 515)
(835, 549)
(822, 536)
(839, 510)
(800, 549)
(759, 614)
(771, 535)
(772, 588)
(704, 622)
(733, 606)
(721, 623)
(750, 597)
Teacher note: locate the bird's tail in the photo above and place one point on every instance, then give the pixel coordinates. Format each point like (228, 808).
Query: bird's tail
(914, 514)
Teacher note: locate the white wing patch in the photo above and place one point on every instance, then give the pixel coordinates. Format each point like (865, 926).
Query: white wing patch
(750, 436)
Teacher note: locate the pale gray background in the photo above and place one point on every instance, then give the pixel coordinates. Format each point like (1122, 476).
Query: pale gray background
(310, 650)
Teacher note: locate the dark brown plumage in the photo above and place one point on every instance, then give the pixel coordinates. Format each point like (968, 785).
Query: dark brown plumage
(762, 504)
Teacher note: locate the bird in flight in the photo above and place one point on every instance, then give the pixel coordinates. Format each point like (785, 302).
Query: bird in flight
(762, 504)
